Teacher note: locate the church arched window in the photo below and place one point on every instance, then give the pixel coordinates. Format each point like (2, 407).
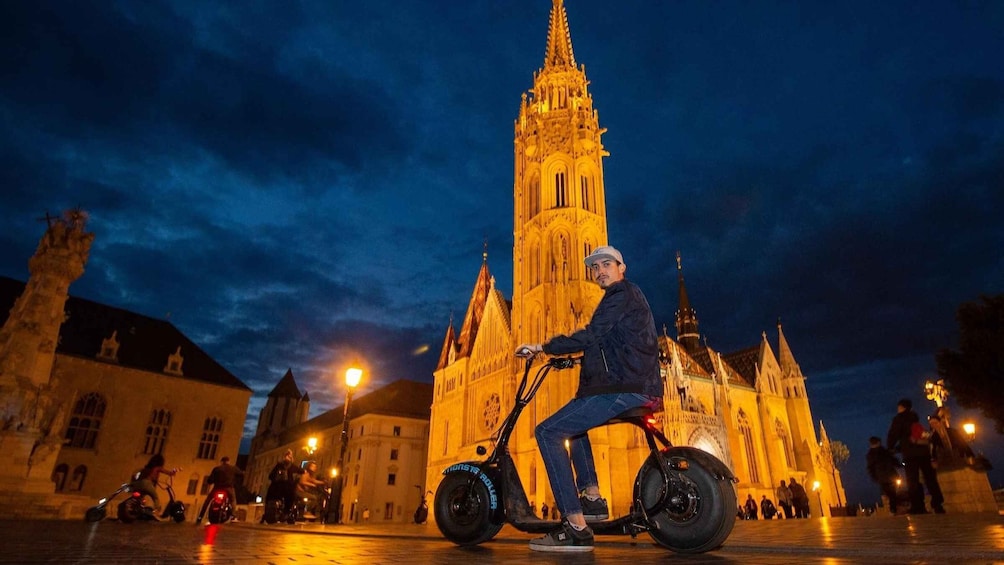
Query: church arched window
(789, 452)
(746, 433)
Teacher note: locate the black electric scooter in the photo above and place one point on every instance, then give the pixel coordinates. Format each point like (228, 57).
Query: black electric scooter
(132, 508)
(683, 496)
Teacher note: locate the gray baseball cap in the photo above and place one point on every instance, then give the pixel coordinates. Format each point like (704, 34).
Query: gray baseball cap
(604, 252)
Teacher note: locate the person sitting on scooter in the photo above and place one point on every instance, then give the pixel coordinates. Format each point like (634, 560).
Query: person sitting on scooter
(620, 371)
(146, 481)
(282, 483)
(307, 489)
(223, 476)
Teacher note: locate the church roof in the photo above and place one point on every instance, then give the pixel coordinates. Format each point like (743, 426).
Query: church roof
(475, 311)
(286, 387)
(403, 398)
(145, 342)
(744, 363)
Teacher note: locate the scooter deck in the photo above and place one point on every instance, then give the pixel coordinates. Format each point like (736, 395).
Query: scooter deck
(622, 525)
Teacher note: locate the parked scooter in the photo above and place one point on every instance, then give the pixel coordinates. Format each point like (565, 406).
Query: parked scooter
(132, 508)
(422, 512)
(683, 497)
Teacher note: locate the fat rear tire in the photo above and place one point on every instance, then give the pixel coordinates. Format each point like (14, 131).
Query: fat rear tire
(699, 514)
(463, 511)
(128, 511)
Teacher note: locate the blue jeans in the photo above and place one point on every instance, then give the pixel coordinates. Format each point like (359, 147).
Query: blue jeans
(571, 422)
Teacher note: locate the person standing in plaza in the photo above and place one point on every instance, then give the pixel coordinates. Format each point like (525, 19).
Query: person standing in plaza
(750, 508)
(783, 494)
(767, 508)
(619, 371)
(882, 468)
(911, 439)
(799, 498)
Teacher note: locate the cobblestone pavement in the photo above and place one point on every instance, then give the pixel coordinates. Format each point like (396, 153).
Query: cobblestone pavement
(830, 541)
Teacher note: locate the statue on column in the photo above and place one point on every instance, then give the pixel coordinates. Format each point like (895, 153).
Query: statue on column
(32, 412)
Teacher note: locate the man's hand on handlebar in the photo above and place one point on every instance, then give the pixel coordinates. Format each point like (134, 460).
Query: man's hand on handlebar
(528, 350)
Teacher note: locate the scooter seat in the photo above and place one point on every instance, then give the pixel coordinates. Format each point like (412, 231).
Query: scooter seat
(630, 414)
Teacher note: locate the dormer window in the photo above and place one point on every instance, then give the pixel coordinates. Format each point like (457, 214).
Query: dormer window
(174, 362)
(110, 348)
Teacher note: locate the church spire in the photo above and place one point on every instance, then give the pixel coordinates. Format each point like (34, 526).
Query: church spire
(559, 39)
(789, 368)
(686, 319)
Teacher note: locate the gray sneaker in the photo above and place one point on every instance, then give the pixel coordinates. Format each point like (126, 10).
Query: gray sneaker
(594, 510)
(565, 539)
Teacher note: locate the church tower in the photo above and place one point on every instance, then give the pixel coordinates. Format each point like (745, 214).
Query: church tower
(686, 318)
(559, 213)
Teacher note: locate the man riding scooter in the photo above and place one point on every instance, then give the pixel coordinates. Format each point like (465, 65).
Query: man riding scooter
(223, 476)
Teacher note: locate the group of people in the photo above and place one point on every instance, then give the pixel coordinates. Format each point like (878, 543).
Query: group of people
(923, 449)
(290, 483)
(223, 476)
(791, 498)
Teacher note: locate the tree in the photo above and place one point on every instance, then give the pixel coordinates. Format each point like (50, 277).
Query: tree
(839, 454)
(974, 373)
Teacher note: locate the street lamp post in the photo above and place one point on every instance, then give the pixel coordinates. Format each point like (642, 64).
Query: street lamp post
(352, 377)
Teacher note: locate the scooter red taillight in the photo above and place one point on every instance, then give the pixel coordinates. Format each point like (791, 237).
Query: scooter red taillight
(137, 494)
(220, 496)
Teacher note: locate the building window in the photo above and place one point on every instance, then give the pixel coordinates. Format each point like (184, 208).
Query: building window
(388, 511)
(560, 199)
(355, 479)
(746, 432)
(77, 480)
(85, 421)
(193, 485)
(59, 476)
(789, 454)
(362, 430)
(391, 478)
(586, 200)
(359, 455)
(156, 432)
(397, 431)
(210, 438)
(534, 197)
(393, 455)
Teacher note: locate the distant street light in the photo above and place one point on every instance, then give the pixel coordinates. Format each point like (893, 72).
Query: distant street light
(311, 446)
(352, 378)
(970, 429)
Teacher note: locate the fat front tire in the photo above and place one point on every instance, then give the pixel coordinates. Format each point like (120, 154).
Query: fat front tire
(95, 514)
(463, 511)
(700, 509)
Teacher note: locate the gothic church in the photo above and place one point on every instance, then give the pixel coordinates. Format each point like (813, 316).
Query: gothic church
(749, 408)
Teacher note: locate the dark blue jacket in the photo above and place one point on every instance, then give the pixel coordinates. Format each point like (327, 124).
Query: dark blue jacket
(620, 349)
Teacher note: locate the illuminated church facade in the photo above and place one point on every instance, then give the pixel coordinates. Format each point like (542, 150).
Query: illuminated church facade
(749, 408)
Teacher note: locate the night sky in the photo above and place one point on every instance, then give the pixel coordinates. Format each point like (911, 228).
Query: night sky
(310, 184)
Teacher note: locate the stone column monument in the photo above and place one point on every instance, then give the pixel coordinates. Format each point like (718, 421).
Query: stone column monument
(33, 407)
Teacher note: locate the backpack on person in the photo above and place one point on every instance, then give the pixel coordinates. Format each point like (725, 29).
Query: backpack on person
(768, 509)
(918, 434)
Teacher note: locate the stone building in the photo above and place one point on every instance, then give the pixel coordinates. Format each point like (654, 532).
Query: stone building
(90, 392)
(748, 407)
(388, 437)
